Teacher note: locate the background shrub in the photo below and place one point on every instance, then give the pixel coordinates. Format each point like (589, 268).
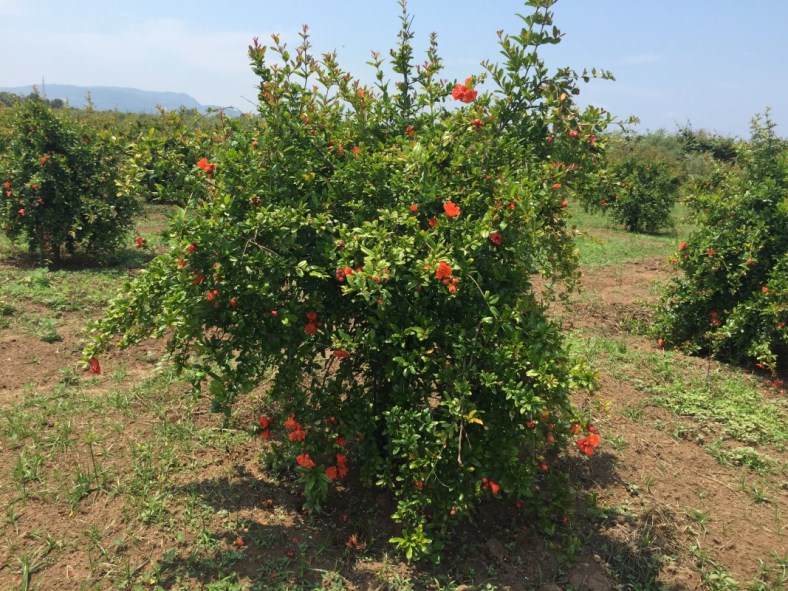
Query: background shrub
(59, 189)
(732, 299)
(644, 194)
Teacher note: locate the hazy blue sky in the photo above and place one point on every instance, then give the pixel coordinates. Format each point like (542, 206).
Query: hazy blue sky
(713, 63)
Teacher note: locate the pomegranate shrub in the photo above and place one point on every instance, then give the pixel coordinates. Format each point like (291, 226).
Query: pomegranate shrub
(367, 254)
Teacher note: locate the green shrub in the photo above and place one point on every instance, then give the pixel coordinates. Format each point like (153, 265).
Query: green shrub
(644, 194)
(366, 254)
(59, 188)
(161, 163)
(732, 299)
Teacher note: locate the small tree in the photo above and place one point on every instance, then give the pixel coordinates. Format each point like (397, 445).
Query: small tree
(643, 194)
(732, 300)
(368, 253)
(59, 188)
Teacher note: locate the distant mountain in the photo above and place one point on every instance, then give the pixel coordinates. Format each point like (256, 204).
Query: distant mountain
(111, 98)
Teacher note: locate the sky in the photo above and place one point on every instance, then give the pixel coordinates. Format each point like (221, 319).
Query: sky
(712, 64)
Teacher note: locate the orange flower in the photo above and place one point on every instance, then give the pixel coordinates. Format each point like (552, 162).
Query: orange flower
(305, 461)
(555, 186)
(451, 209)
(443, 271)
(682, 245)
(465, 92)
(206, 166)
(297, 434)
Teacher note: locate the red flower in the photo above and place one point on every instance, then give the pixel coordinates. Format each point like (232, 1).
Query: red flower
(274, 313)
(587, 444)
(530, 423)
(433, 222)
(191, 248)
(7, 185)
(555, 186)
(181, 263)
(356, 150)
(341, 354)
(264, 422)
(682, 245)
(710, 252)
(21, 211)
(233, 303)
(443, 271)
(239, 542)
(465, 92)
(198, 279)
(477, 124)
(573, 133)
(764, 289)
(305, 461)
(496, 238)
(139, 241)
(211, 295)
(414, 208)
(206, 166)
(494, 487)
(311, 316)
(291, 423)
(452, 288)
(265, 434)
(451, 209)
(297, 434)
(331, 472)
(410, 131)
(565, 203)
(550, 139)
(94, 366)
(574, 429)
(340, 441)
(310, 328)
(592, 140)
(43, 159)
(340, 273)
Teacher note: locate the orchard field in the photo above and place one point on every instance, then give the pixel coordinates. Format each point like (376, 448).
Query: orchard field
(125, 481)
(430, 334)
